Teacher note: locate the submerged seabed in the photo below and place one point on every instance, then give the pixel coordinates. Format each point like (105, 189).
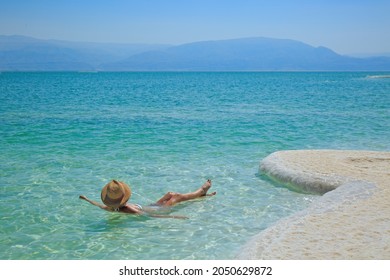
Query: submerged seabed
(66, 134)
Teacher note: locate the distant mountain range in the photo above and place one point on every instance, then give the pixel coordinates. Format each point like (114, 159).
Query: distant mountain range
(19, 53)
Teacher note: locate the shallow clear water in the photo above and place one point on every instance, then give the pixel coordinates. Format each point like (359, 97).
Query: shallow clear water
(66, 134)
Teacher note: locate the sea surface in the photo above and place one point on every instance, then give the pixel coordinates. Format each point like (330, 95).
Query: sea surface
(67, 134)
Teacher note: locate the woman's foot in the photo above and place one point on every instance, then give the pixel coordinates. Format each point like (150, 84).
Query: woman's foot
(206, 186)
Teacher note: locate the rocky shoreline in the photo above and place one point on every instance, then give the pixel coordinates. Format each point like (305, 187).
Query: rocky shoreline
(351, 220)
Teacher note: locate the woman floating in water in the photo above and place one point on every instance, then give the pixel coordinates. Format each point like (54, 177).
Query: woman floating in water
(116, 194)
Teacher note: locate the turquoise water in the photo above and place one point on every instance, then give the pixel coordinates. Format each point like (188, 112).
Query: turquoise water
(66, 134)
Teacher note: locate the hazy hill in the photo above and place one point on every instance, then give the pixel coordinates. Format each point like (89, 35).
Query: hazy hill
(249, 54)
(19, 53)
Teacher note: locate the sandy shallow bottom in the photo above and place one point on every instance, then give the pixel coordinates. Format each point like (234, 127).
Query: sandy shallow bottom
(350, 221)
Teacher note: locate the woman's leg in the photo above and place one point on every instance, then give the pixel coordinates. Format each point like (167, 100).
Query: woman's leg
(165, 198)
(172, 198)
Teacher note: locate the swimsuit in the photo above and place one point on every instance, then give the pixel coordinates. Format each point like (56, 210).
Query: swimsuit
(136, 205)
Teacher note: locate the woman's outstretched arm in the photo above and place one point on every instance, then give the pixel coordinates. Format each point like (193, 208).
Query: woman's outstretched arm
(83, 197)
(167, 216)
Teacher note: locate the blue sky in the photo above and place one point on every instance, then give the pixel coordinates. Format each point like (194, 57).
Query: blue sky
(346, 26)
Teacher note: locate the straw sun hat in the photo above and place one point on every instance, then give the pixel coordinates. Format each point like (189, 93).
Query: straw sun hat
(115, 194)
